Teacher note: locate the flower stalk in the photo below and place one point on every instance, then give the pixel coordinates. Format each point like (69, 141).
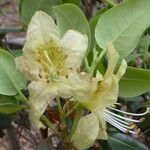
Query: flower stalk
(96, 59)
(110, 3)
(60, 110)
(76, 120)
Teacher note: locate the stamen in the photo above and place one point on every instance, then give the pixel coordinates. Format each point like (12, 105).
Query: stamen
(142, 119)
(127, 113)
(114, 106)
(48, 59)
(119, 104)
(124, 122)
(138, 130)
(122, 125)
(121, 128)
(124, 118)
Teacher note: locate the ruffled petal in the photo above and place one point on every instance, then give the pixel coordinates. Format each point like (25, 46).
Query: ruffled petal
(41, 94)
(113, 57)
(28, 68)
(41, 30)
(82, 86)
(75, 46)
(86, 132)
(122, 69)
(102, 126)
(107, 91)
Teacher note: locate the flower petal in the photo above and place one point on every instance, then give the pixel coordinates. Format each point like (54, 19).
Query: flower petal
(107, 91)
(102, 126)
(86, 132)
(122, 69)
(27, 68)
(41, 94)
(82, 86)
(75, 45)
(41, 30)
(113, 57)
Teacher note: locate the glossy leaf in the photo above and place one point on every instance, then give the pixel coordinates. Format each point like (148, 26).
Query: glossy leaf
(125, 142)
(20, 5)
(69, 16)
(7, 99)
(29, 7)
(76, 2)
(123, 25)
(9, 108)
(132, 57)
(11, 79)
(134, 82)
(93, 22)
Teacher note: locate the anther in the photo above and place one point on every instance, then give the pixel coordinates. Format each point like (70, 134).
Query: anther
(142, 119)
(138, 131)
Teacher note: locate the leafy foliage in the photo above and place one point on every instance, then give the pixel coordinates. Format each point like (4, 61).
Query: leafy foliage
(125, 142)
(123, 25)
(65, 22)
(11, 79)
(28, 8)
(135, 82)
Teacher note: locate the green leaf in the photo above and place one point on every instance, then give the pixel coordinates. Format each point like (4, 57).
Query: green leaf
(125, 142)
(9, 108)
(29, 7)
(11, 79)
(20, 5)
(7, 99)
(132, 57)
(76, 2)
(69, 16)
(135, 82)
(8, 104)
(123, 25)
(93, 22)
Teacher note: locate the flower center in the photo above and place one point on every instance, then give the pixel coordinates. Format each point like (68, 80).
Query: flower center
(51, 59)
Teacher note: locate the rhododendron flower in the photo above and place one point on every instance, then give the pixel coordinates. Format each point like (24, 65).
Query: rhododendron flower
(101, 104)
(51, 63)
(93, 125)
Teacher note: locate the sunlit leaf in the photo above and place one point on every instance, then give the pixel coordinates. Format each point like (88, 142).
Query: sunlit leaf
(69, 16)
(29, 7)
(76, 2)
(125, 142)
(123, 25)
(134, 82)
(11, 79)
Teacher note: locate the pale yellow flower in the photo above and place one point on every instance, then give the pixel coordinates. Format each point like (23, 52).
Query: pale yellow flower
(101, 107)
(52, 63)
(93, 126)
